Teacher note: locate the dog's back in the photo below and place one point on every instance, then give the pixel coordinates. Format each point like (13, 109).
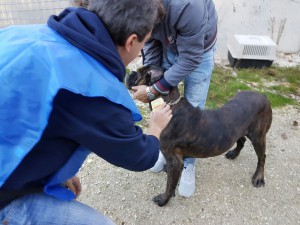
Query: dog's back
(207, 133)
(247, 109)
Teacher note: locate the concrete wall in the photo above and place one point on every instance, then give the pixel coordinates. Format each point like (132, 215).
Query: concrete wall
(278, 19)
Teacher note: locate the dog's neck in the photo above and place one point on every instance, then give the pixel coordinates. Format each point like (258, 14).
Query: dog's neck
(173, 97)
(171, 103)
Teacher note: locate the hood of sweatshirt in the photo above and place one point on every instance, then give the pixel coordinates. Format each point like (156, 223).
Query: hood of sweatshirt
(85, 30)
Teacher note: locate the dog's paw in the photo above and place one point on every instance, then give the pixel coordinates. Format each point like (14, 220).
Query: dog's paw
(258, 182)
(231, 154)
(160, 200)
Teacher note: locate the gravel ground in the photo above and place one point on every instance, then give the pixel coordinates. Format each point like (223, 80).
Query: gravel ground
(224, 193)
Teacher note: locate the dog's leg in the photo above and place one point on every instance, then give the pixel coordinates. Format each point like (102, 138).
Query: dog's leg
(235, 152)
(259, 144)
(174, 169)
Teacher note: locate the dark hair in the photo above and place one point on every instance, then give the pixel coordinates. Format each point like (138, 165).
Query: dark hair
(125, 17)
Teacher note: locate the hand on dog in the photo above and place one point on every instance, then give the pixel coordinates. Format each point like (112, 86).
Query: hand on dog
(140, 93)
(159, 120)
(74, 185)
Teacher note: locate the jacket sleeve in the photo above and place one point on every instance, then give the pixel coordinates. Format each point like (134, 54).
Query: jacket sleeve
(107, 130)
(152, 52)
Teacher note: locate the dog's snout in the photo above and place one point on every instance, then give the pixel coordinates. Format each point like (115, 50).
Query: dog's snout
(131, 79)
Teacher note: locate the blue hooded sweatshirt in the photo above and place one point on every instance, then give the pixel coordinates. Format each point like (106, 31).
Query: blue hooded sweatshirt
(62, 94)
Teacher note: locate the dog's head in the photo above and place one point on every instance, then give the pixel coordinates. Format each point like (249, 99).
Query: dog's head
(146, 75)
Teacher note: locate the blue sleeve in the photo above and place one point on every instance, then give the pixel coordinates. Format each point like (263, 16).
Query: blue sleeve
(107, 130)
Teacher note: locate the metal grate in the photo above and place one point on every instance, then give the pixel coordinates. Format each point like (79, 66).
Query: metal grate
(29, 11)
(257, 47)
(256, 50)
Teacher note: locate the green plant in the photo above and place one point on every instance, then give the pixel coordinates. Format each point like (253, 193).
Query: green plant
(279, 84)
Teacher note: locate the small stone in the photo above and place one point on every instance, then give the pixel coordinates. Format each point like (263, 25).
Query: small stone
(284, 136)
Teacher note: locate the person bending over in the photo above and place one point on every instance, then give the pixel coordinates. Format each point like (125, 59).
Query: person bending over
(183, 44)
(63, 97)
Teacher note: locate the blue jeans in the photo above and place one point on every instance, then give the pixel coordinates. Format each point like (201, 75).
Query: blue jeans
(196, 84)
(34, 209)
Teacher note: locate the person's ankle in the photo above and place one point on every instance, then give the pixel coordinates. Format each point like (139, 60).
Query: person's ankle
(159, 165)
(187, 184)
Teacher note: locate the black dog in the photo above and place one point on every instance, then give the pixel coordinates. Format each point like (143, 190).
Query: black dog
(206, 133)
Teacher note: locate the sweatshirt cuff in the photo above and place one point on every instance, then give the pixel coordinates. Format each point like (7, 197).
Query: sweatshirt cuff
(162, 86)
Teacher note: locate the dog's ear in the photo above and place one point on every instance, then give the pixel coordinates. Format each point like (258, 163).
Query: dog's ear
(156, 73)
(143, 70)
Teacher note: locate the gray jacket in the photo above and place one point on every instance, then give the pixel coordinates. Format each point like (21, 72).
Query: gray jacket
(188, 30)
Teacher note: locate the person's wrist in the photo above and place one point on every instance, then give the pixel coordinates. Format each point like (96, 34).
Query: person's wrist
(153, 91)
(152, 130)
(160, 89)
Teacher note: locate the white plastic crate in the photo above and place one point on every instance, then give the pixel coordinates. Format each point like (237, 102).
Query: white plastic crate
(252, 47)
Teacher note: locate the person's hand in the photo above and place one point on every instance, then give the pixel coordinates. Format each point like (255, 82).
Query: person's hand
(140, 93)
(159, 120)
(74, 185)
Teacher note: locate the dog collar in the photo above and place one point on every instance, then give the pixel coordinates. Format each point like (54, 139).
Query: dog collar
(174, 102)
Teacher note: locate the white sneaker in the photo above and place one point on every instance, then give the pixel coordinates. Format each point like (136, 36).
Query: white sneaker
(159, 165)
(187, 184)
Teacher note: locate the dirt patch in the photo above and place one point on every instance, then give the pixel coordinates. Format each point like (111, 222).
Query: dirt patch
(224, 193)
